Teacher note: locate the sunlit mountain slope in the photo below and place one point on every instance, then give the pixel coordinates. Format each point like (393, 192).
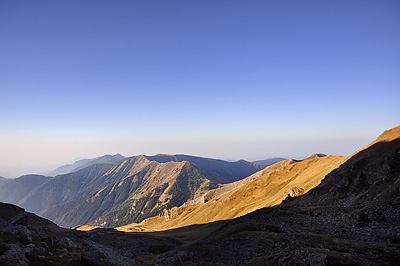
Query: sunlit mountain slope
(113, 194)
(265, 188)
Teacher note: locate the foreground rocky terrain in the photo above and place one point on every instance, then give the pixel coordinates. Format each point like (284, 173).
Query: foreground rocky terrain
(351, 218)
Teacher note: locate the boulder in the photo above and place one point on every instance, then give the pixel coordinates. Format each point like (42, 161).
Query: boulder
(24, 233)
(95, 254)
(13, 256)
(20, 219)
(28, 250)
(40, 251)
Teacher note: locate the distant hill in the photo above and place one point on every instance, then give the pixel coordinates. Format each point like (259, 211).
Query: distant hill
(68, 168)
(15, 190)
(268, 162)
(3, 181)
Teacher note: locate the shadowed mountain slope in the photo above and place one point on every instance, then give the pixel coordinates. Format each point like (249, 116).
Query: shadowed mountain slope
(15, 190)
(370, 176)
(113, 194)
(351, 218)
(3, 180)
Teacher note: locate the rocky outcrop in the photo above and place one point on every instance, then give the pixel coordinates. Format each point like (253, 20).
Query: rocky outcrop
(97, 254)
(27, 239)
(295, 192)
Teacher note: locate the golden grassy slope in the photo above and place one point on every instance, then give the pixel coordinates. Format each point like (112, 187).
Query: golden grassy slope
(85, 227)
(388, 135)
(270, 188)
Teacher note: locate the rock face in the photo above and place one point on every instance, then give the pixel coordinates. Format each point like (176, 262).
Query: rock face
(295, 192)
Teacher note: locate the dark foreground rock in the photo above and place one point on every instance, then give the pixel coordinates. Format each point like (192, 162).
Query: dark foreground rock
(97, 254)
(27, 239)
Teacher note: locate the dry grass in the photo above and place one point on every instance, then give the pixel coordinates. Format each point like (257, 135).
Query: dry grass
(263, 189)
(85, 227)
(269, 189)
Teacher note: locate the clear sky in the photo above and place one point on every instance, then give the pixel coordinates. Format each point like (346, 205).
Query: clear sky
(224, 79)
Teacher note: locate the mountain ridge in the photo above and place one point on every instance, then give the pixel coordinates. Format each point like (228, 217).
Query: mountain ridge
(90, 195)
(265, 188)
(219, 170)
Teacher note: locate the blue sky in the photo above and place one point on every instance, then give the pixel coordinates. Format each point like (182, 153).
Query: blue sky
(225, 79)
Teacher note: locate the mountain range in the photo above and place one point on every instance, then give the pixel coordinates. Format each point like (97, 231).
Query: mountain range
(327, 210)
(112, 190)
(265, 188)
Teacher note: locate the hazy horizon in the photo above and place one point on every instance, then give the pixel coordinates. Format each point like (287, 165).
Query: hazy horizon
(285, 150)
(228, 79)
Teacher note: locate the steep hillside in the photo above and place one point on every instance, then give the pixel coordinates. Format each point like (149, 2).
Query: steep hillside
(370, 176)
(65, 188)
(3, 180)
(114, 194)
(136, 196)
(217, 170)
(265, 188)
(15, 190)
(68, 168)
(351, 218)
